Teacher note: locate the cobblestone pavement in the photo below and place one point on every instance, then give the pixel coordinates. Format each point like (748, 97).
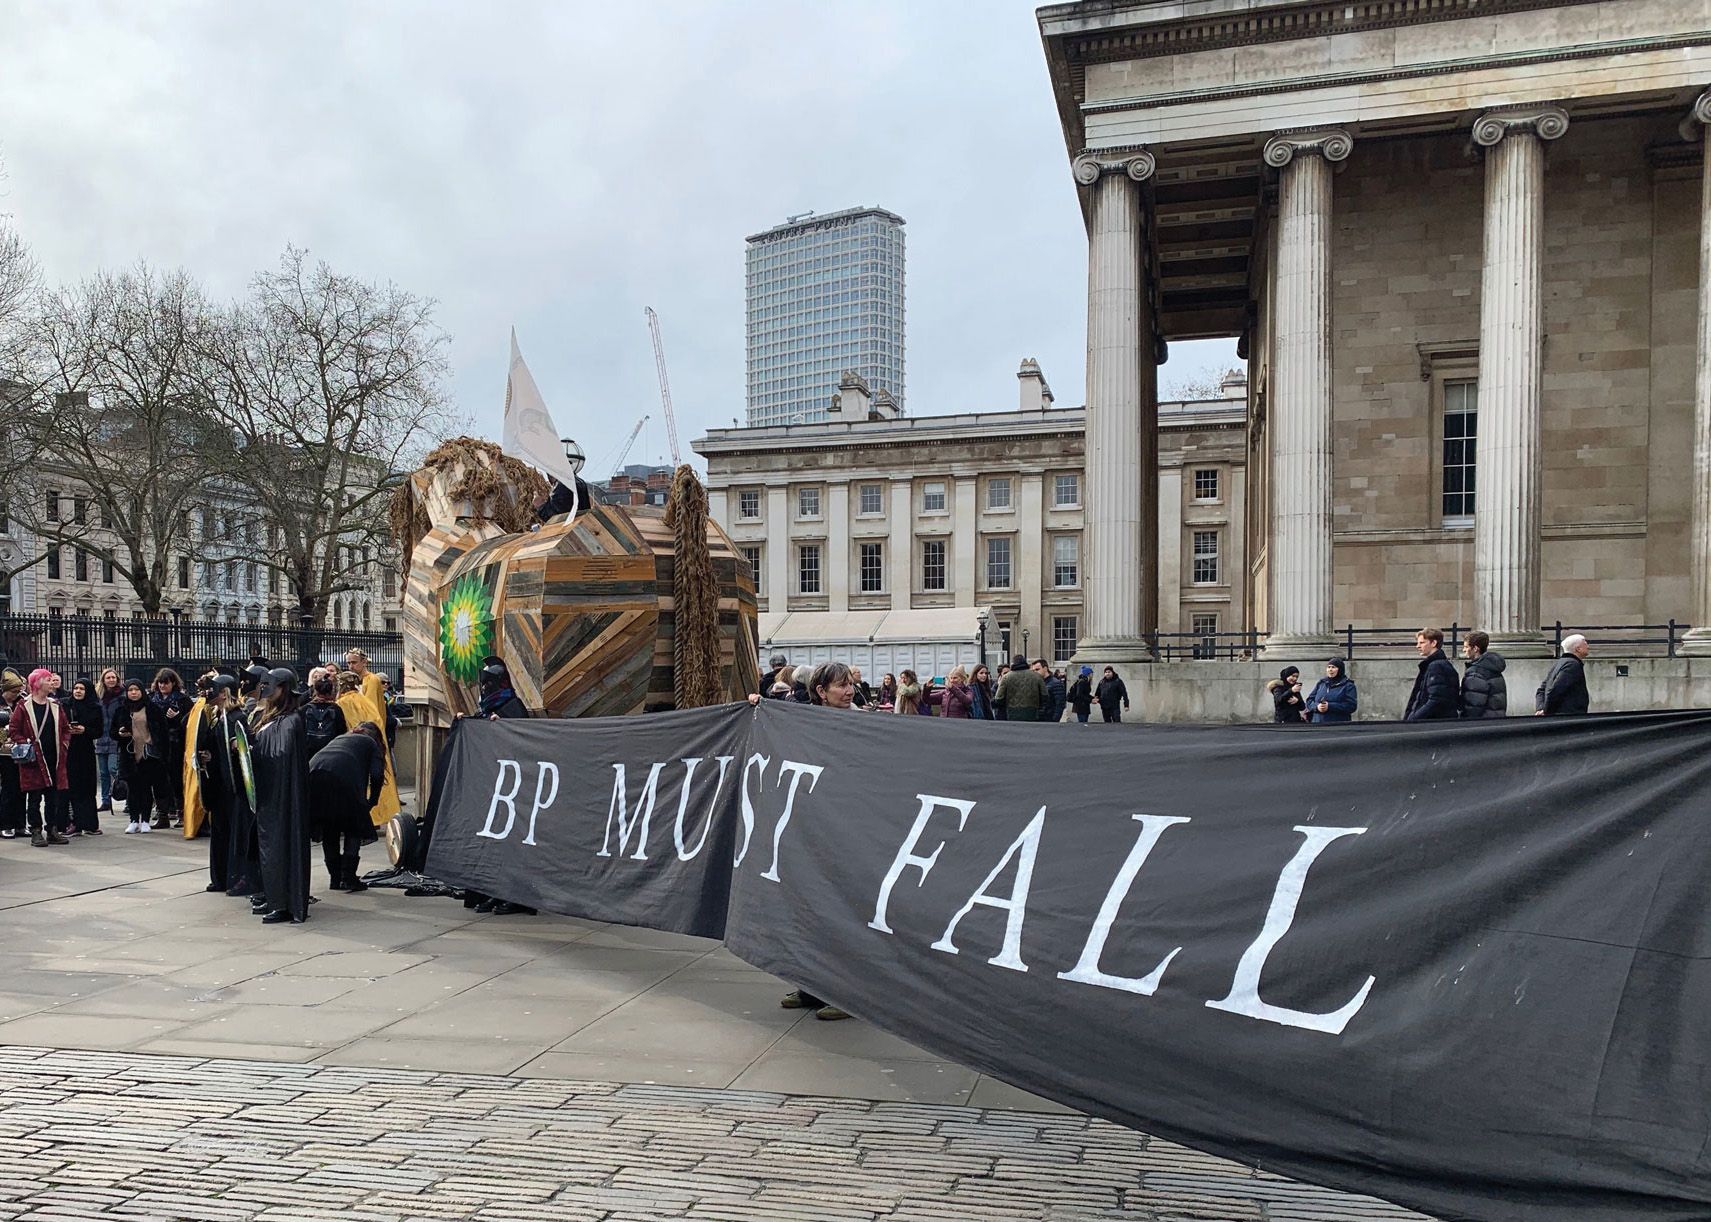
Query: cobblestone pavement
(129, 1135)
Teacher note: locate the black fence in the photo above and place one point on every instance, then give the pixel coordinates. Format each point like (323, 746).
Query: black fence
(1607, 640)
(138, 646)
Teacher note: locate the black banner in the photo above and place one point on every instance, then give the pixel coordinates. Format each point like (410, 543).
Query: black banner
(1460, 966)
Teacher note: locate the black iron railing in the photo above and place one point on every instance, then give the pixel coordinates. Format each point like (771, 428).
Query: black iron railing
(137, 646)
(1607, 640)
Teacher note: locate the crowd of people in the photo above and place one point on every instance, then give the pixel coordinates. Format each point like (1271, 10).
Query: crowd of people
(1439, 692)
(1021, 691)
(256, 764)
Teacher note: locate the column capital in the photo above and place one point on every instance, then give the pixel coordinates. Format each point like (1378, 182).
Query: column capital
(1702, 109)
(1332, 143)
(1545, 122)
(1090, 167)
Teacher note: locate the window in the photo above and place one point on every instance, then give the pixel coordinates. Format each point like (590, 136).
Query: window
(808, 569)
(933, 497)
(388, 583)
(1461, 430)
(274, 580)
(748, 503)
(80, 563)
(1205, 626)
(107, 571)
(1206, 484)
(752, 555)
(1066, 561)
(56, 632)
(250, 576)
(53, 504)
(184, 572)
(1205, 557)
(872, 499)
(998, 562)
(873, 568)
(110, 629)
(933, 564)
(389, 624)
(231, 567)
(1065, 633)
(998, 492)
(53, 562)
(80, 509)
(1066, 491)
(807, 502)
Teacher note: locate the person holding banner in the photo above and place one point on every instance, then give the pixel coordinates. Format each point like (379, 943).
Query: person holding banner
(499, 702)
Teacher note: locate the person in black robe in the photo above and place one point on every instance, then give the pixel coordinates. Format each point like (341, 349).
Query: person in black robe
(345, 780)
(323, 719)
(279, 752)
(220, 778)
(87, 724)
(498, 701)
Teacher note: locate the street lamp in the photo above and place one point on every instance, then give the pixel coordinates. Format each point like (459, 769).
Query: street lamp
(1025, 641)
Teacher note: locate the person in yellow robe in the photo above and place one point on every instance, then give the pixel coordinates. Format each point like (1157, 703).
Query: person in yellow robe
(359, 707)
(357, 662)
(195, 807)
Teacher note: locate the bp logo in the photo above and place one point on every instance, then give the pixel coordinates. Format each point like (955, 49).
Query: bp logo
(466, 628)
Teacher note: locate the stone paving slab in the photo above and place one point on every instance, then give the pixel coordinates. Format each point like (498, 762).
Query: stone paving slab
(164, 1055)
(129, 1135)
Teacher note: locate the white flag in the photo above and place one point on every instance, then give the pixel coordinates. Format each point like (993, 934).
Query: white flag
(529, 430)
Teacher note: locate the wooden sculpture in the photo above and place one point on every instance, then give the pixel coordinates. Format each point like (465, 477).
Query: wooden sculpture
(625, 609)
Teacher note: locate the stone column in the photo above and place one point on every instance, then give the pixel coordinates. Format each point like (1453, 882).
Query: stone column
(1121, 485)
(842, 556)
(1508, 459)
(1698, 642)
(1302, 396)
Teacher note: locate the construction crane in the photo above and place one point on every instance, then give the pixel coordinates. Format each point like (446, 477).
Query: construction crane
(664, 384)
(629, 441)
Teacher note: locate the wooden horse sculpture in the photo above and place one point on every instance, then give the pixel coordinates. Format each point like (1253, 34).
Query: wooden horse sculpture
(623, 609)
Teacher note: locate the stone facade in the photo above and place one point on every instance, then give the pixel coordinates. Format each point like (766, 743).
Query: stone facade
(933, 505)
(1459, 243)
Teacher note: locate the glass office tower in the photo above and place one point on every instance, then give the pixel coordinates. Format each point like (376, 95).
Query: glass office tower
(825, 294)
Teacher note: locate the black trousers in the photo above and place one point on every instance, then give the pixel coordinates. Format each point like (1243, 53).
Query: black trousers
(148, 790)
(47, 810)
(342, 852)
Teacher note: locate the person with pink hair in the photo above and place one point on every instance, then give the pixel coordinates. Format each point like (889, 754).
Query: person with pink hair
(40, 733)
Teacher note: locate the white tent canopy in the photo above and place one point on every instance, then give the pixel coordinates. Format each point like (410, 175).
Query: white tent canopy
(929, 641)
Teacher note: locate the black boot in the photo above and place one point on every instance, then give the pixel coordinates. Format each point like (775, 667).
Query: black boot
(352, 882)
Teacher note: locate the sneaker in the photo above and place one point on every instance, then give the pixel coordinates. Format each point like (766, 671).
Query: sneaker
(829, 1014)
(8, 834)
(56, 838)
(131, 828)
(144, 826)
(94, 831)
(793, 1000)
(73, 832)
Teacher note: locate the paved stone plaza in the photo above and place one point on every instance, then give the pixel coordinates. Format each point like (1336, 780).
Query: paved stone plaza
(164, 1055)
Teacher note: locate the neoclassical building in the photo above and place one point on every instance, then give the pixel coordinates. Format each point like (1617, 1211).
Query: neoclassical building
(982, 513)
(1464, 244)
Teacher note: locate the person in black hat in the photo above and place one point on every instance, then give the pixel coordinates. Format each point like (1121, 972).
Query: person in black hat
(218, 774)
(249, 682)
(498, 701)
(279, 751)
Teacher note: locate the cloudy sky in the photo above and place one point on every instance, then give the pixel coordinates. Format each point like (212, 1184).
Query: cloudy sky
(559, 166)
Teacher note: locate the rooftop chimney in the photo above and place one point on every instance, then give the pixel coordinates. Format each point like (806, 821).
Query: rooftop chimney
(884, 407)
(852, 400)
(1036, 395)
(1234, 385)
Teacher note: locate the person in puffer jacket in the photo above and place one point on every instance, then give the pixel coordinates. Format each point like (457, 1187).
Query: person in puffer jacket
(1483, 691)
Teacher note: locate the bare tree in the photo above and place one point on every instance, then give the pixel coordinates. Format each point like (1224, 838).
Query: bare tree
(118, 425)
(331, 387)
(19, 283)
(1190, 387)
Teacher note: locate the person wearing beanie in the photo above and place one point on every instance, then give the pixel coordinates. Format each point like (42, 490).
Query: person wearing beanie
(1288, 705)
(41, 728)
(1022, 692)
(11, 796)
(1081, 695)
(1333, 699)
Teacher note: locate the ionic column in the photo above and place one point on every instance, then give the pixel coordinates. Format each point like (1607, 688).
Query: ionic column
(1698, 642)
(1508, 458)
(1121, 490)
(1299, 556)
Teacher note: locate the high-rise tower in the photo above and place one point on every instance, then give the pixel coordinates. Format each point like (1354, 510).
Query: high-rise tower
(825, 295)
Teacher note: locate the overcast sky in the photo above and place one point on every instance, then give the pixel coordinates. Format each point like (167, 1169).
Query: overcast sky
(559, 166)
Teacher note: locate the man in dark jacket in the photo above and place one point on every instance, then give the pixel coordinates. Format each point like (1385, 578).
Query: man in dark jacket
(1564, 688)
(1023, 693)
(499, 702)
(779, 662)
(1437, 688)
(1057, 694)
(1483, 691)
(1080, 695)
